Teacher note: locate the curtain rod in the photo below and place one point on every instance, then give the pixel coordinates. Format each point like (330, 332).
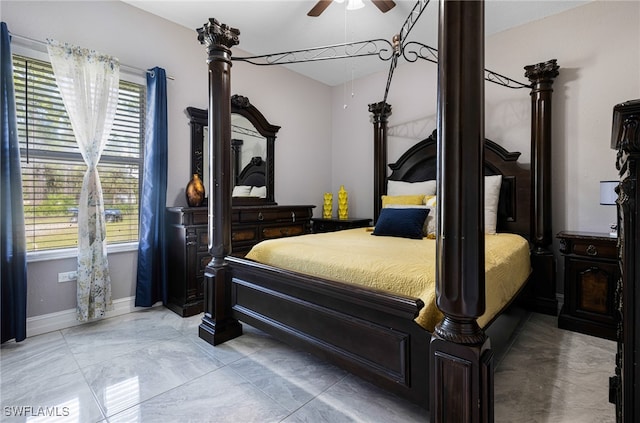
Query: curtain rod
(32, 40)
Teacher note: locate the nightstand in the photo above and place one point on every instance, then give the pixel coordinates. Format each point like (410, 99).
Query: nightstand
(332, 225)
(590, 275)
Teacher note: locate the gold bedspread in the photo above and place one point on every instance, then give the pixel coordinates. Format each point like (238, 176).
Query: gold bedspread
(398, 265)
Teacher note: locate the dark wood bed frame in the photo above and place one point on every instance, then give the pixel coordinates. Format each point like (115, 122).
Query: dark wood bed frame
(372, 333)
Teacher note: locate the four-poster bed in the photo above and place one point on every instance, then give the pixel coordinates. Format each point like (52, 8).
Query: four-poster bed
(371, 332)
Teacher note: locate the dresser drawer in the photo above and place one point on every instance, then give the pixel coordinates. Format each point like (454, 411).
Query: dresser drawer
(188, 216)
(244, 234)
(270, 232)
(267, 215)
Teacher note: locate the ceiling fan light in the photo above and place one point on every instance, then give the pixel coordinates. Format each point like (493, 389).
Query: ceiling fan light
(355, 5)
(339, 1)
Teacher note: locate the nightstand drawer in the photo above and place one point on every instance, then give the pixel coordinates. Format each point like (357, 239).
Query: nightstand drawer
(590, 248)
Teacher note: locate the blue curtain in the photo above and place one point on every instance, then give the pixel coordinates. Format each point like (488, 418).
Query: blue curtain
(12, 236)
(151, 276)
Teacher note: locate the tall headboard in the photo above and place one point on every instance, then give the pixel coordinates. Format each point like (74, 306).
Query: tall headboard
(419, 164)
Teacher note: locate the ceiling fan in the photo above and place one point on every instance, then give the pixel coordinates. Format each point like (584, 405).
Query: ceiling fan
(383, 5)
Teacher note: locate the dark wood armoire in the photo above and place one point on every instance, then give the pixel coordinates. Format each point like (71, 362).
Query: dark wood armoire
(624, 390)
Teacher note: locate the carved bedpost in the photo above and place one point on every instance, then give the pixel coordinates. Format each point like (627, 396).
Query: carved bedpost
(543, 277)
(461, 360)
(236, 154)
(381, 112)
(623, 387)
(217, 325)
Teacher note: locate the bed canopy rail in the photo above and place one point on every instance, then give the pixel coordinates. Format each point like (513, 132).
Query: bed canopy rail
(385, 50)
(414, 50)
(376, 47)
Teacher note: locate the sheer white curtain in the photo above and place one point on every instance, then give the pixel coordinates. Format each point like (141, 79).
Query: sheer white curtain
(88, 82)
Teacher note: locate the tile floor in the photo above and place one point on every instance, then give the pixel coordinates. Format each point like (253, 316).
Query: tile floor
(150, 366)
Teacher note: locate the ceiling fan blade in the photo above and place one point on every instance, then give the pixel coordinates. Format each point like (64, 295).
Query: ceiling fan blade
(384, 5)
(319, 8)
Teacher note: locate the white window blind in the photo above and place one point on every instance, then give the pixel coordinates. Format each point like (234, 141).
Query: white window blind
(53, 168)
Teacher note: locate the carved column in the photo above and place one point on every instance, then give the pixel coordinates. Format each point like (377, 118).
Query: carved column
(461, 357)
(623, 387)
(217, 325)
(381, 112)
(543, 278)
(236, 149)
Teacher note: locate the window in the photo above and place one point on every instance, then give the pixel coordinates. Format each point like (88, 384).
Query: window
(53, 168)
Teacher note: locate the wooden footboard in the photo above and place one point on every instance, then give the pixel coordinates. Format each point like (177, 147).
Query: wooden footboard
(369, 333)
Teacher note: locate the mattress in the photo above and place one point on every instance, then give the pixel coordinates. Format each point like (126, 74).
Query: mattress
(397, 265)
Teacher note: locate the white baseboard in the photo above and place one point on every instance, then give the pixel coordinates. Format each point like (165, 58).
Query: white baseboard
(59, 320)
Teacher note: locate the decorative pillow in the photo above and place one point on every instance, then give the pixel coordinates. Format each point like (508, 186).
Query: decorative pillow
(403, 223)
(241, 191)
(258, 192)
(425, 228)
(492, 186)
(411, 188)
(430, 223)
(388, 200)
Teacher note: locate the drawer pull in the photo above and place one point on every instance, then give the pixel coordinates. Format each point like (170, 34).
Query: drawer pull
(260, 216)
(592, 250)
(191, 239)
(293, 216)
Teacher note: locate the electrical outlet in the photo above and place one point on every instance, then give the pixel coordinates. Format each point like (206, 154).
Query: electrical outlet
(67, 276)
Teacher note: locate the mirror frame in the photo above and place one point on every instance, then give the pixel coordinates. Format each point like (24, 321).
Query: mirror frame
(198, 120)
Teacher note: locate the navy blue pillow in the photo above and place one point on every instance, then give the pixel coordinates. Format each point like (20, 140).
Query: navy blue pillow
(404, 223)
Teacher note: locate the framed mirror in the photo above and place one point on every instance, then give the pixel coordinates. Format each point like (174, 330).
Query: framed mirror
(252, 149)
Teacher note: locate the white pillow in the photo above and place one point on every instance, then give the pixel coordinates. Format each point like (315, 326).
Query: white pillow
(241, 191)
(492, 186)
(431, 202)
(259, 192)
(411, 188)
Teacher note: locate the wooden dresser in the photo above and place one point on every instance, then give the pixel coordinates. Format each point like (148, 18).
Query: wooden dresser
(187, 244)
(186, 259)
